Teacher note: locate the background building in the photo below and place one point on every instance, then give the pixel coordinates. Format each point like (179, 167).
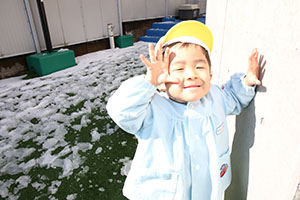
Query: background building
(80, 25)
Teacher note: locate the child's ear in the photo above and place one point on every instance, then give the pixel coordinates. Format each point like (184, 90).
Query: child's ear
(210, 76)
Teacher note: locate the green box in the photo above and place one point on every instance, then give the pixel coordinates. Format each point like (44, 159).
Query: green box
(47, 63)
(124, 41)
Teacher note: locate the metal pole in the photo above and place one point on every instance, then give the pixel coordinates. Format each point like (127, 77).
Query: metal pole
(32, 27)
(110, 28)
(120, 17)
(43, 18)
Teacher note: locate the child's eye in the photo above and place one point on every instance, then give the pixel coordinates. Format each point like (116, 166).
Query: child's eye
(200, 67)
(178, 69)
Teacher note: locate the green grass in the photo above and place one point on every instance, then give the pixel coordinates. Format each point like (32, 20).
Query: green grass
(103, 172)
(96, 171)
(99, 175)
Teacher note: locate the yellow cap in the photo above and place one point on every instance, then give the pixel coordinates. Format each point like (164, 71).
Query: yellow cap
(190, 31)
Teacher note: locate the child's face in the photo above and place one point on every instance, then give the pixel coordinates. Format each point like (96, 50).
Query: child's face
(191, 67)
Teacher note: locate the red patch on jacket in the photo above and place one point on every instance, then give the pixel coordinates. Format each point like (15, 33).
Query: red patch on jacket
(223, 170)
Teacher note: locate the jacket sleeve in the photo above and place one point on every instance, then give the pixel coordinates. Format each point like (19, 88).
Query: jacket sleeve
(236, 94)
(129, 106)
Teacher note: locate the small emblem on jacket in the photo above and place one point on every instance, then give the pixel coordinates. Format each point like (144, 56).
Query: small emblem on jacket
(223, 170)
(220, 128)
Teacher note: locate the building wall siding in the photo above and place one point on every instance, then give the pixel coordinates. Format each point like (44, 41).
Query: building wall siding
(71, 21)
(15, 35)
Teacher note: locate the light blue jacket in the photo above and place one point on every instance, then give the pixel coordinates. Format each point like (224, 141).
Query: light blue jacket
(183, 151)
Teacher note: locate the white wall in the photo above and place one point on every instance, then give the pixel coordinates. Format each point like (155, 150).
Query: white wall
(266, 146)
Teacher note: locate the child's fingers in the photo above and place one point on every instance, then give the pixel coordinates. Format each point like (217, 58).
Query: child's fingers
(158, 47)
(254, 52)
(253, 60)
(253, 56)
(151, 53)
(145, 60)
(159, 52)
(167, 57)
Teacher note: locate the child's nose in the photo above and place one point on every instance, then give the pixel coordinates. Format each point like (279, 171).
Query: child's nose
(190, 74)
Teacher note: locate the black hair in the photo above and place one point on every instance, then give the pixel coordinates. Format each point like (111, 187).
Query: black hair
(204, 51)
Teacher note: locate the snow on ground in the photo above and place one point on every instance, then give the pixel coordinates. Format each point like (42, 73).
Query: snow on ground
(36, 116)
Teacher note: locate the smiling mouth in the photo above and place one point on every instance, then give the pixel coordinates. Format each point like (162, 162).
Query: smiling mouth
(192, 86)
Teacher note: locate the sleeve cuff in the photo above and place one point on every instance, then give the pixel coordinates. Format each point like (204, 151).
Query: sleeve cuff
(247, 87)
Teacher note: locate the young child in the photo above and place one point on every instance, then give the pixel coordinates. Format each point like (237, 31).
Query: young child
(183, 151)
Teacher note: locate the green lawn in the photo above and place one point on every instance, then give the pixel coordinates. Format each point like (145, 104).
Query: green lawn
(56, 139)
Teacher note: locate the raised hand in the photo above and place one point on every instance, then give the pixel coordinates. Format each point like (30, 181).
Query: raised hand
(158, 66)
(254, 69)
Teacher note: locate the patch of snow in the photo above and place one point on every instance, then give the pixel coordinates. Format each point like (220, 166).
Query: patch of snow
(98, 150)
(23, 181)
(63, 49)
(38, 186)
(4, 187)
(126, 165)
(84, 146)
(124, 143)
(28, 165)
(95, 135)
(71, 197)
(50, 143)
(54, 187)
(84, 170)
